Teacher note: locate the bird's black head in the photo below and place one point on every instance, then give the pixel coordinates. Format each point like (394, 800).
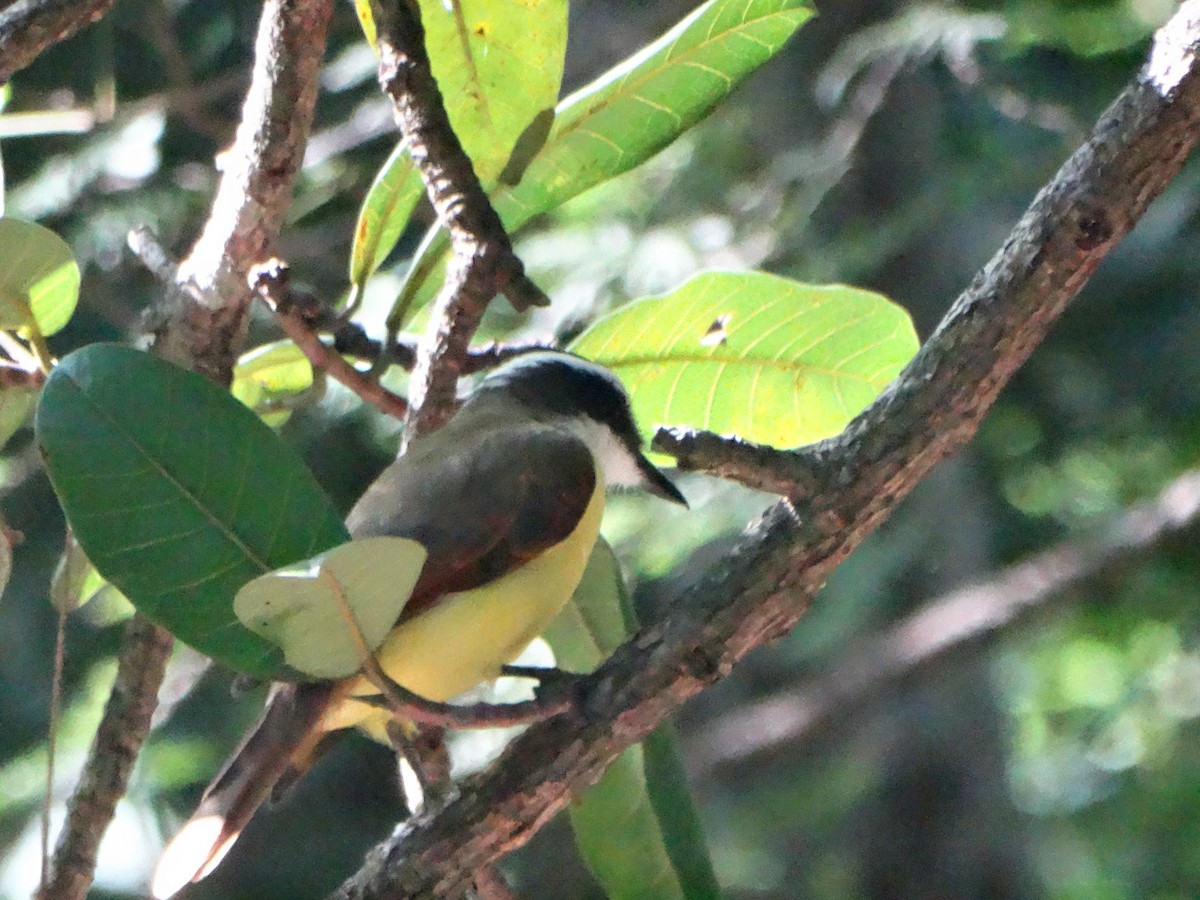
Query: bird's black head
(588, 399)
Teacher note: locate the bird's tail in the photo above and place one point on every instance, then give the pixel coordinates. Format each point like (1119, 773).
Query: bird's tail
(281, 744)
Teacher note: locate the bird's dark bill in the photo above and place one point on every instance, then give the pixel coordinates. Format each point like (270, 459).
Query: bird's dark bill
(658, 484)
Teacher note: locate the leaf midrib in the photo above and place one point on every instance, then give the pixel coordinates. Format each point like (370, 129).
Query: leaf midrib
(221, 527)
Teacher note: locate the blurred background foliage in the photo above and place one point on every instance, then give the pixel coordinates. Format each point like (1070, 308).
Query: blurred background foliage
(891, 145)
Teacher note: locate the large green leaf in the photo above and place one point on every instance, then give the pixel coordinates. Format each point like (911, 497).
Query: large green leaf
(636, 827)
(178, 494)
(39, 278)
(635, 109)
(768, 359)
(499, 65)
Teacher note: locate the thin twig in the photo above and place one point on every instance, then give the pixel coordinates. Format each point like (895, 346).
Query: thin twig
(351, 340)
(762, 588)
(947, 623)
(60, 645)
(785, 472)
(270, 281)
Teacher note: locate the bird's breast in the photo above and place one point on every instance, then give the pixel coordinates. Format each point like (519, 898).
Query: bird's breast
(467, 636)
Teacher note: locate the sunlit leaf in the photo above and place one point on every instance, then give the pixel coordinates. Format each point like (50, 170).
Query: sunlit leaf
(366, 19)
(384, 215)
(636, 827)
(300, 607)
(178, 494)
(755, 355)
(640, 106)
(499, 65)
(635, 109)
(39, 280)
(268, 377)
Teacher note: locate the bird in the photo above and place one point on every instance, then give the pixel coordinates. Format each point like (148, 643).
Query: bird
(506, 498)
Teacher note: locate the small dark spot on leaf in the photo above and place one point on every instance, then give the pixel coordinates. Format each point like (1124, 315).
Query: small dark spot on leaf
(716, 335)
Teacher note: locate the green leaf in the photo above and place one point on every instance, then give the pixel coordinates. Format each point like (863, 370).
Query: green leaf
(270, 377)
(682, 832)
(366, 19)
(633, 111)
(640, 106)
(498, 63)
(178, 494)
(39, 280)
(384, 215)
(636, 827)
(75, 580)
(499, 66)
(16, 406)
(768, 359)
(300, 607)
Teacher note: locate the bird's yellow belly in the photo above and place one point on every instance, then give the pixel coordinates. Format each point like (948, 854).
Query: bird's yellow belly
(468, 636)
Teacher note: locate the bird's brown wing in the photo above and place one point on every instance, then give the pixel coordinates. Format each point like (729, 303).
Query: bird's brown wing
(481, 503)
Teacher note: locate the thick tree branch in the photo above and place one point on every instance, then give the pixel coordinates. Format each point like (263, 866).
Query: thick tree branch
(255, 189)
(482, 262)
(944, 624)
(27, 27)
(763, 587)
(203, 333)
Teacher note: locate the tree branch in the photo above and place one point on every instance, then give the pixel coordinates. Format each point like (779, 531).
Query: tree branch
(255, 189)
(763, 587)
(143, 659)
(942, 625)
(27, 27)
(271, 282)
(203, 334)
(482, 261)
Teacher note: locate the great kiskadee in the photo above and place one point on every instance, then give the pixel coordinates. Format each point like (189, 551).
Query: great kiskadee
(506, 498)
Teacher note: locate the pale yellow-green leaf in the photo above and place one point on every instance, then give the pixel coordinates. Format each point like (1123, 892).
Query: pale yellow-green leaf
(266, 378)
(628, 114)
(298, 608)
(762, 357)
(39, 278)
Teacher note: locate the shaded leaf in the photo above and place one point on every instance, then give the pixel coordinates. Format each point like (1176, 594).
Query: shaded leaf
(75, 580)
(636, 827)
(39, 281)
(178, 494)
(768, 359)
(16, 407)
(300, 607)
